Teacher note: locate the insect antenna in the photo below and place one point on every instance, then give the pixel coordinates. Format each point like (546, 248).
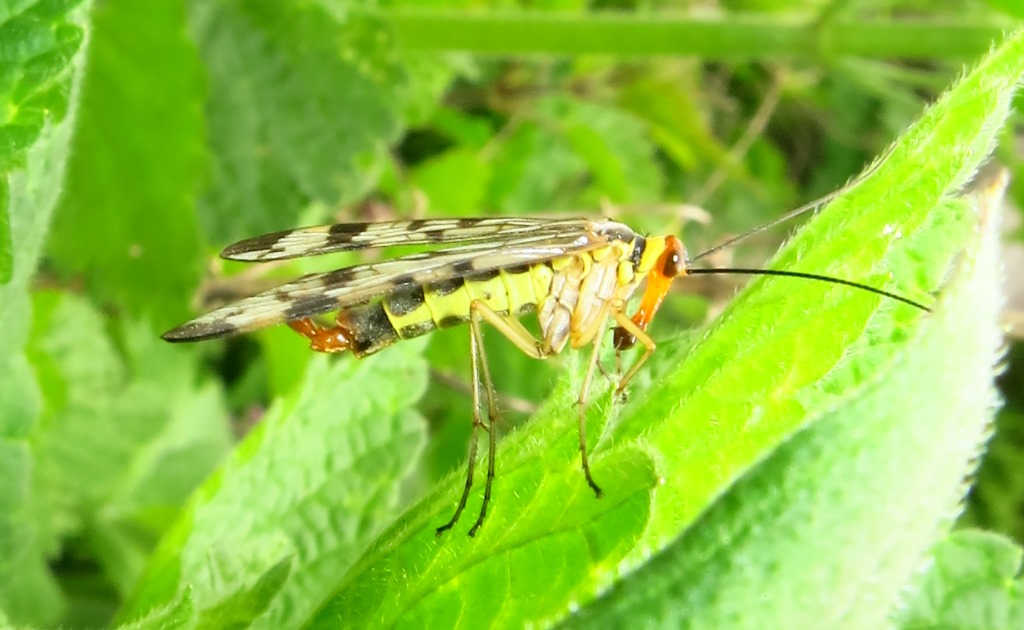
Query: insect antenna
(807, 207)
(653, 298)
(806, 276)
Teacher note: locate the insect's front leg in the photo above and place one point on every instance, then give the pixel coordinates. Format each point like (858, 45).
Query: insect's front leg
(626, 324)
(621, 341)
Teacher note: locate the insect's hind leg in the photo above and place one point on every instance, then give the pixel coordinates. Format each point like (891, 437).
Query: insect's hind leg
(492, 419)
(512, 329)
(521, 337)
(476, 359)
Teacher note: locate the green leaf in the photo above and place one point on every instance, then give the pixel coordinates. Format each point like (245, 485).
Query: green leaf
(974, 581)
(6, 248)
(143, 424)
(28, 593)
(39, 71)
(427, 80)
(125, 222)
(778, 373)
(531, 170)
(783, 354)
(176, 615)
(305, 105)
(314, 482)
(454, 182)
(572, 154)
(829, 529)
(462, 128)
(40, 41)
(615, 147)
(543, 533)
(676, 123)
(245, 605)
(174, 429)
(286, 360)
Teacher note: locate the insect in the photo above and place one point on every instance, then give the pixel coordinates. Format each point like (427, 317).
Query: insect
(576, 274)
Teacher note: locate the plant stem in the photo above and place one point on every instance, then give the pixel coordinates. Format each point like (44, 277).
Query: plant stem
(728, 37)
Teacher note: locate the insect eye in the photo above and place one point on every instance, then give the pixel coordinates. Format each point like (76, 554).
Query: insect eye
(671, 266)
(674, 259)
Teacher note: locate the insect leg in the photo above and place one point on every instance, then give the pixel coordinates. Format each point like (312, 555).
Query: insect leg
(514, 330)
(475, 353)
(581, 406)
(517, 333)
(641, 335)
(492, 415)
(612, 375)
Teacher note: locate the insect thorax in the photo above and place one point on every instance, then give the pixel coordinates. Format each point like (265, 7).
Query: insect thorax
(583, 290)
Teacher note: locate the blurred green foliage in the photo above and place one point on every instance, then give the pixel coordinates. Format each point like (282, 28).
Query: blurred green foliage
(249, 483)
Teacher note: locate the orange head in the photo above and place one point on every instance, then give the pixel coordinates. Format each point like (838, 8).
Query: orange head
(662, 265)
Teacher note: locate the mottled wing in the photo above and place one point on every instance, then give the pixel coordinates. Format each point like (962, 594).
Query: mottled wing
(324, 292)
(342, 237)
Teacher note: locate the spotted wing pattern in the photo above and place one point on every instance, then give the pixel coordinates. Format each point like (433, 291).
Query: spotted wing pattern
(342, 237)
(333, 290)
